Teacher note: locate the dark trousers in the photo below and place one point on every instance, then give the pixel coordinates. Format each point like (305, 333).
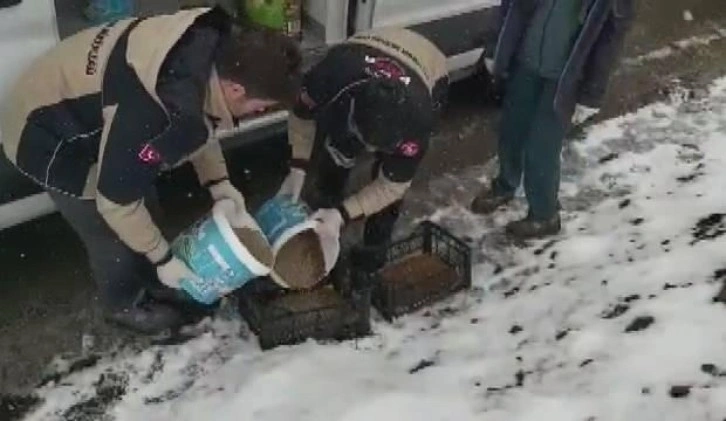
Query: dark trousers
(119, 272)
(330, 184)
(530, 142)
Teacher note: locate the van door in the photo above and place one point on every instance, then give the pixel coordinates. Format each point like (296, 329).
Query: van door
(324, 21)
(460, 28)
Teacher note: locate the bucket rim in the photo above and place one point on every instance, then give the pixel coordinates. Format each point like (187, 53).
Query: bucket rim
(255, 266)
(308, 225)
(291, 232)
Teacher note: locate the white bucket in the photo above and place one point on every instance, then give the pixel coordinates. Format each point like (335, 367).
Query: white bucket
(214, 252)
(281, 220)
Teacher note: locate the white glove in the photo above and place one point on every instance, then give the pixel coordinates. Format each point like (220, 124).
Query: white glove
(489, 64)
(173, 272)
(236, 218)
(225, 190)
(330, 222)
(293, 184)
(583, 113)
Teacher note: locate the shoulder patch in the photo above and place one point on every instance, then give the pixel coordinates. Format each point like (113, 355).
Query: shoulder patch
(149, 155)
(409, 148)
(386, 68)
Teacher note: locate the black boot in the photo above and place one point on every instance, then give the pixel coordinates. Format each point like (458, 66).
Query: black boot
(529, 227)
(147, 316)
(488, 200)
(191, 311)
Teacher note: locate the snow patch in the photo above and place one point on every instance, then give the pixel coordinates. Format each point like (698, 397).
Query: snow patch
(677, 46)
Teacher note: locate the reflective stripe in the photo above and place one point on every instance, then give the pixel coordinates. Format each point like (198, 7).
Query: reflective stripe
(338, 157)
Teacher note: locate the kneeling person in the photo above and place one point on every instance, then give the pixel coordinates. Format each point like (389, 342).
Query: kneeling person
(378, 92)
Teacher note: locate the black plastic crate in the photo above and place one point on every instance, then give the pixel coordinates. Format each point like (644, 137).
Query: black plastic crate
(344, 314)
(393, 299)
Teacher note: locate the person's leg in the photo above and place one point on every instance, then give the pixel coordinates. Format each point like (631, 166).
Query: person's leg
(542, 168)
(118, 271)
(542, 157)
(377, 233)
(120, 274)
(520, 103)
(379, 227)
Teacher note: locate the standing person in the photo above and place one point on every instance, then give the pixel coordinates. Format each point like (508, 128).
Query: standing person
(377, 92)
(557, 56)
(101, 115)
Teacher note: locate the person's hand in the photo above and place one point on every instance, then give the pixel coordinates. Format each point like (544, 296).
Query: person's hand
(293, 184)
(237, 218)
(171, 271)
(583, 113)
(226, 191)
(329, 224)
(330, 221)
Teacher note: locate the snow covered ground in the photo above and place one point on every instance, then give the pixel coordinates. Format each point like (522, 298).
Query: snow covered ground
(612, 320)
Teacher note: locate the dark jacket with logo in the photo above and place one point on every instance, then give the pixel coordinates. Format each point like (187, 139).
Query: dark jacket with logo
(334, 99)
(105, 111)
(594, 55)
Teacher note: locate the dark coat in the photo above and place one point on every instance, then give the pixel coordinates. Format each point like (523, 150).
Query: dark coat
(585, 77)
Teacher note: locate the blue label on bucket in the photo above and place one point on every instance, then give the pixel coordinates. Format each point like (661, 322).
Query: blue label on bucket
(279, 214)
(203, 248)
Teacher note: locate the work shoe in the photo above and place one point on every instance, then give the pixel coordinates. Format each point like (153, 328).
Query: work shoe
(487, 201)
(147, 316)
(150, 319)
(529, 227)
(191, 311)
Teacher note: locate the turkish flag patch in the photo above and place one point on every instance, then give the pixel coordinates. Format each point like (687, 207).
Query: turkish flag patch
(386, 68)
(149, 155)
(409, 148)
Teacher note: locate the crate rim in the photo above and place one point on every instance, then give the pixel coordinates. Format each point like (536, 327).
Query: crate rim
(425, 226)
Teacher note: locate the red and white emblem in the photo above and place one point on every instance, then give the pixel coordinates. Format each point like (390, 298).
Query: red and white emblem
(409, 148)
(149, 155)
(384, 67)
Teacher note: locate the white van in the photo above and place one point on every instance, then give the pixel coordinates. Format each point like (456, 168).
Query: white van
(459, 28)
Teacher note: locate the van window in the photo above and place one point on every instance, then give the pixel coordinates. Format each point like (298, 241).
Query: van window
(409, 12)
